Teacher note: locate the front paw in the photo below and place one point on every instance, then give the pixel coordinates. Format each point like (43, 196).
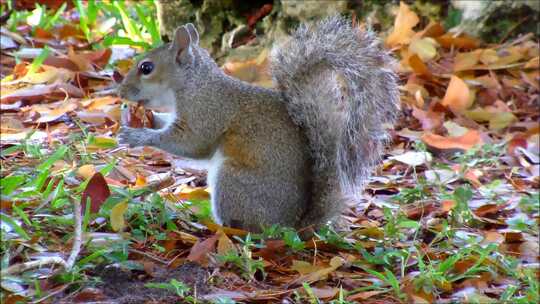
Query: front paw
(133, 137)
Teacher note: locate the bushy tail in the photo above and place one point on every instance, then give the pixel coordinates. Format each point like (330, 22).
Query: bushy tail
(340, 89)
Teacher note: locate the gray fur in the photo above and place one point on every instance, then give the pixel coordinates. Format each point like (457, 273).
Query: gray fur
(289, 156)
(339, 87)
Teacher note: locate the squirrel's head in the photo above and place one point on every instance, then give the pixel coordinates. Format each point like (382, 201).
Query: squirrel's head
(161, 73)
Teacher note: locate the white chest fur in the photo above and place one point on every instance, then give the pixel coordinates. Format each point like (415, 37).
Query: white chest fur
(214, 165)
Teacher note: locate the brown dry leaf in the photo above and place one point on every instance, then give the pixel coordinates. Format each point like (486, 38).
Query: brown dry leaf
(199, 252)
(225, 245)
(472, 176)
(38, 92)
(488, 56)
(493, 237)
(533, 63)
(489, 209)
(98, 57)
(364, 295)
(326, 293)
(465, 142)
(466, 61)
(68, 30)
(97, 191)
(461, 42)
(303, 267)
(457, 96)
(405, 21)
(273, 250)
(418, 66)
(100, 103)
(93, 117)
(433, 29)
(47, 115)
(430, 120)
(61, 62)
(320, 274)
(82, 62)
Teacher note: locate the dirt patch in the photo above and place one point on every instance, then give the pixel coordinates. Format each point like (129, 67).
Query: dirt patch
(123, 286)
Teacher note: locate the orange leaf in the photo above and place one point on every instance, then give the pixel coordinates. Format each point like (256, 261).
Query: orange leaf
(472, 176)
(403, 26)
(457, 96)
(462, 42)
(464, 142)
(489, 209)
(418, 65)
(448, 205)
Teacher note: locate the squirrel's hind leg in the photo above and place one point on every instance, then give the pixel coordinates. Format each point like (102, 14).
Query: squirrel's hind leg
(244, 199)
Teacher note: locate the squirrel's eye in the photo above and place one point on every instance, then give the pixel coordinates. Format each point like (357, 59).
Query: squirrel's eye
(146, 67)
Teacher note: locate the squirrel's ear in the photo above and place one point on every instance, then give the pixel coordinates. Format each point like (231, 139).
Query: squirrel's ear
(193, 33)
(181, 44)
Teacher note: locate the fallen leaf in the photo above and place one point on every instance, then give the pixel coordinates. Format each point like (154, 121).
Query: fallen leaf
(402, 32)
(425, 48)
(325, 293)
(413, 158)
(201, 249)
(225, 245)
(97, 191)
(441, 176)
(463, 41)
(364, 295)
(418, 66)
(472, 176)
(466, 61)
(430, 120)
(454, 129)
(501, 120)
(447, 205)
(197, 194)
(303, 267)
(38, 92)
(489, 209)
(464, 142)
(457, 96)
(86, 171)
(54, 114)
(117, 216)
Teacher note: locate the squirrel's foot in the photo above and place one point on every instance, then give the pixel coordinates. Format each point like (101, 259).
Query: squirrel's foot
(133, 137)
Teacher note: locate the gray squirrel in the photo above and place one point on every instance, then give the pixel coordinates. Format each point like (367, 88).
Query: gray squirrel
(290, 156)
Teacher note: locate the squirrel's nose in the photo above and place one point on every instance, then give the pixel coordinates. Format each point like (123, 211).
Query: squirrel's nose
(127, 92)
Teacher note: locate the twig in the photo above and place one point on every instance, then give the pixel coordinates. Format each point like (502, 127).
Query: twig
(18, 268)
(150, 256)
(78, 235)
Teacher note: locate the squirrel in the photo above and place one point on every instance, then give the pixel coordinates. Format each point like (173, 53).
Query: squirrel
(291, 156)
